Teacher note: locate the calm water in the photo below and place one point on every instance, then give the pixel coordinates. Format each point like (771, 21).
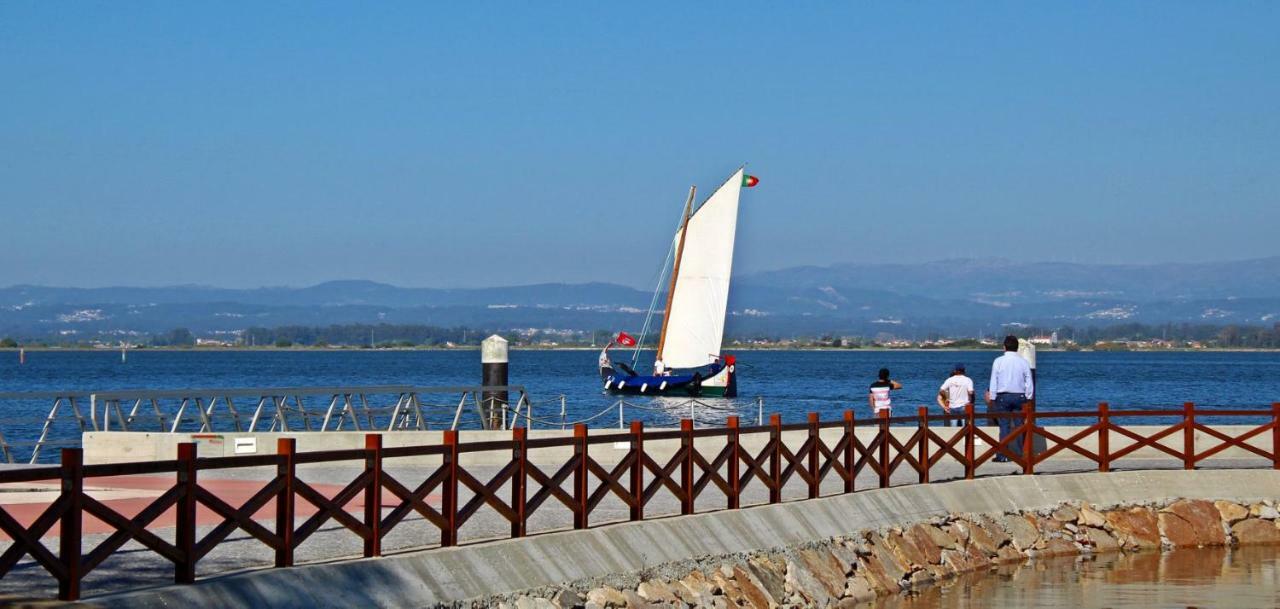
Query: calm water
(1205, 577)
(790, 382)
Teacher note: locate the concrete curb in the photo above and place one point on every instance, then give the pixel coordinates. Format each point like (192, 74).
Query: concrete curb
(449, 575)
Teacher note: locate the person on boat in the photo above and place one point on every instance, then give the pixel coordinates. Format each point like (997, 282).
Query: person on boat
(956, 393)
(879, 397)
(660, 369)
(606, 365)
(1011, 386)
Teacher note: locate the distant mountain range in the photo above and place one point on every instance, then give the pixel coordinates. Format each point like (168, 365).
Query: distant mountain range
(957, 297)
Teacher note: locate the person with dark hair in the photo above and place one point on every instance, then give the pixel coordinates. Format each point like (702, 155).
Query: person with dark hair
(879, 398)
(1011, 386)
(956, 393)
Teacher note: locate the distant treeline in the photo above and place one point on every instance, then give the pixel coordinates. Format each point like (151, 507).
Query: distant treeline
(363, 335)
(1214, 335)
(417, 335)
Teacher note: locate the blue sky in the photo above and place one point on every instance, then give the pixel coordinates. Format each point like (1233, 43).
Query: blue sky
(470, 144)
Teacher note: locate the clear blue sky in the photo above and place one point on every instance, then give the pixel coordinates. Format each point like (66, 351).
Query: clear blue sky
(437, 144)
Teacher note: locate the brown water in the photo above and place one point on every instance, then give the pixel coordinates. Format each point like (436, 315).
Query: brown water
(1208, 577)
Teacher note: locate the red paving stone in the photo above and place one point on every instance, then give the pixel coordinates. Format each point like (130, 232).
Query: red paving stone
(234, 492)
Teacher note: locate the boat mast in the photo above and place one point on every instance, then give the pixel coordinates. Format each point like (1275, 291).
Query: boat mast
(675, 270)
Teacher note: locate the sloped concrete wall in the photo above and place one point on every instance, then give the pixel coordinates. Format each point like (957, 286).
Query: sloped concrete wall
(433, 577)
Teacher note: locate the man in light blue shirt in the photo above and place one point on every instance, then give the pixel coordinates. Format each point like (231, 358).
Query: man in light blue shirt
(1010, 387)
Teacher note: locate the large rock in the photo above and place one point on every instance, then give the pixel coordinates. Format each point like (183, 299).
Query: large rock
(825, 568)
(1022, 533)
(803, 582)
(1090, 517)
(983, 534)
(908, 553)
(695, 589)
(882, 567)
(1255, 530)
(1046, 525)
(532, 602)
(607, 597)
(1100, 540)
(1066, 513)
(635, 602)
(1263, 510)
(771, 574)
(1055, 546)
(1231, 512)
(656, 592)
(752, 590)
(1192, 523)
(860, 588)
(1135, 527)
(929, 541)
(960, 561)
(846, 556)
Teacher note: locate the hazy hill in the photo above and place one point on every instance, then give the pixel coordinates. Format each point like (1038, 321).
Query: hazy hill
(953, 296)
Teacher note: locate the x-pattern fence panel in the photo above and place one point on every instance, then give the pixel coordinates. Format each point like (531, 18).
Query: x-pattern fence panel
(688, 463)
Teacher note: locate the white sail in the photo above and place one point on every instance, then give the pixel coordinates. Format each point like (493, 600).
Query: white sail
(695, 320)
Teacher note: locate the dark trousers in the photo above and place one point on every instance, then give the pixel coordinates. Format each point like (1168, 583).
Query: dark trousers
(1008, 403)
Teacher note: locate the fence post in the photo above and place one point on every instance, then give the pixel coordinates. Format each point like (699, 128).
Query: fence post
(184, 570)
(686, 466)
(923, 449)
(814, 490)
(969, 442)
(519, 480)
(775, 458)
(637, 470)
(287, 471)
(1104, 437)
(1189, 435)
(373, 494)
(884, 447)
(850, 454)
(580, 476)
(1275, 435)
(732, 438)
(71, 524)
(449, 500)
(1028, 439)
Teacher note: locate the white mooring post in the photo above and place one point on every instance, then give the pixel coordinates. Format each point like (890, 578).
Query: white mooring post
(493, 364)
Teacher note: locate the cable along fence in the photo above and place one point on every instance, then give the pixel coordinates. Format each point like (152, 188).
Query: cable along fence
(38, 423)
(729, 463)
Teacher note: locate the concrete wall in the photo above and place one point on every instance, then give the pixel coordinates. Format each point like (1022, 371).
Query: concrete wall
(116, 447)
(430, 577)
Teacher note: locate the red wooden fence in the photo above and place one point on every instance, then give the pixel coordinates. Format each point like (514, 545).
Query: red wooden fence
(635, 479)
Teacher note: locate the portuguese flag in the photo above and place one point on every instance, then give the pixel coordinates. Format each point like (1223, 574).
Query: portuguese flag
(748, 181)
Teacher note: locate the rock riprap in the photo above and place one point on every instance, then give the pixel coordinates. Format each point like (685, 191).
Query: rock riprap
(843, 571)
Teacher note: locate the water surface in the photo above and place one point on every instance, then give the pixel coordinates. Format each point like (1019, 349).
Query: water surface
(1204, 577)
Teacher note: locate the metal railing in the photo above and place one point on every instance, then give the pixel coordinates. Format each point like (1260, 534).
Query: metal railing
(301, 409)
(253, 409)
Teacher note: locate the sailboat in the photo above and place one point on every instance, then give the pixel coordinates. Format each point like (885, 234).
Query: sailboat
(688, 360)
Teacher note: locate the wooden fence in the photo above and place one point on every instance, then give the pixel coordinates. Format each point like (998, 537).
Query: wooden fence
(635, 479)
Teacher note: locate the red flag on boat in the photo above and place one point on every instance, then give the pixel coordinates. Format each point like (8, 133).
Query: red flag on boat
(749, 181)
(626, 340)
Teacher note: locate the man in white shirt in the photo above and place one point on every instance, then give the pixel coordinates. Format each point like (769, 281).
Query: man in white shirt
(956, 393)
(1011, 386)
(606, 365)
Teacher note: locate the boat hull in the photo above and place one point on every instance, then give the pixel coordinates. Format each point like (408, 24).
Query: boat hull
(720, 382)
